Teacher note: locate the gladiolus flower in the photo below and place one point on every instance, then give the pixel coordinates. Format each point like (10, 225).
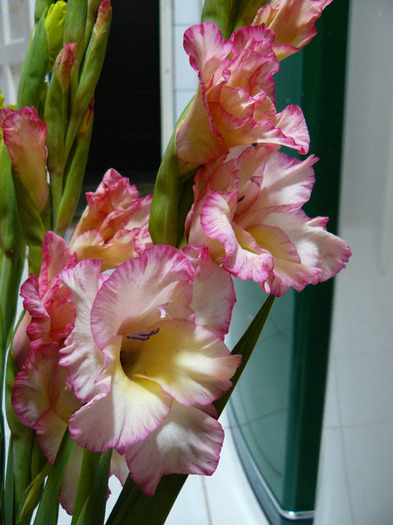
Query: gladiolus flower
(247, 211)
(208, 277)
(42, 396)
(293, 23)
(137, 355)
(24, 135)
(46, 299)
(115, 224)
(234, 104)
(43, 400)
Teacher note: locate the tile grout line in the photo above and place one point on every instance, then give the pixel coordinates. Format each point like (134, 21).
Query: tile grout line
(206, 498)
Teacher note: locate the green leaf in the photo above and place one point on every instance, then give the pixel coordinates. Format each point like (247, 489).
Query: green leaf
(34, 491)
(135, 508)
(49, 507)
(7, 511)
(93, 512)
(86, 479)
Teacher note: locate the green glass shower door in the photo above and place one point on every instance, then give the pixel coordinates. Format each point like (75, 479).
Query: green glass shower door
(276, 409)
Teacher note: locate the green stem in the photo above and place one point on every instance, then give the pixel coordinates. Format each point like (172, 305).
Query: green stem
(86, 478)
(22, 444)
(8, 502)
(48, 510)
(56, 185)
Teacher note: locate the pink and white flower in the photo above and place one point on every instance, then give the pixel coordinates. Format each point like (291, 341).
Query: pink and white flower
(43, 400)
(247, 211)
(293, 23)
(235, 103)
(115, 224)
(138, 356)
(42, 396)
(47, 301)
(209, 276)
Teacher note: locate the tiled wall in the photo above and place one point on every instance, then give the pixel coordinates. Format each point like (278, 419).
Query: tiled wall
(185, 78)
(15, 22)
(179, 81)
(356, 469)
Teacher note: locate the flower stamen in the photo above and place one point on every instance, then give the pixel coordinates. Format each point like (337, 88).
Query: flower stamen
(142, 336)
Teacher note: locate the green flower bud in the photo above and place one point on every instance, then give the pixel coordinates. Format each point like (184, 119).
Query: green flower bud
(56, 119)
(32, 84)
(163, 223)
(74, 30)
(75, 171)
(90, 70)
(54, 24)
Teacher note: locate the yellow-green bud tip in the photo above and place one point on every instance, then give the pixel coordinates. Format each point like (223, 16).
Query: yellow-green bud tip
(54, 24)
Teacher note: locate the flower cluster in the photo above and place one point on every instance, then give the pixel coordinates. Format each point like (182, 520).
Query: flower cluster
(142, 345)
(122, 340)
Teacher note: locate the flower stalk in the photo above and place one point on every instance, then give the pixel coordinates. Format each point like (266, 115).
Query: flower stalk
(164, 213)
(90, 71)
(74, 172)
(56, 119)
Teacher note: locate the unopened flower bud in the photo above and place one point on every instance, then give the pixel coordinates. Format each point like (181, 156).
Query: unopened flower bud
(64, 63)
(54, 24)
(103, 16)
(24, 135)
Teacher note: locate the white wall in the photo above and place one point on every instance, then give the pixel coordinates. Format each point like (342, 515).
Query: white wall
(179, 81)
(356, 470)
(15, 21)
